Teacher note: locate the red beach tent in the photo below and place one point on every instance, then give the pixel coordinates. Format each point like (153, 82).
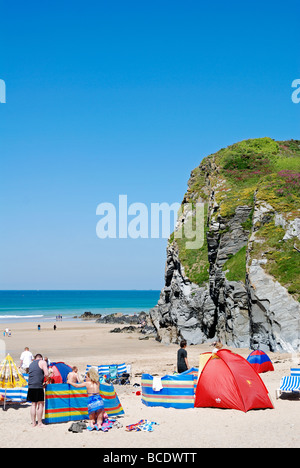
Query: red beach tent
(229, 381)
(60, 372)
(260, 361)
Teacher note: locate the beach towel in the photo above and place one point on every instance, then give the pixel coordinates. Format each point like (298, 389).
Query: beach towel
(142, 425)
(107, 424)
(157, 384)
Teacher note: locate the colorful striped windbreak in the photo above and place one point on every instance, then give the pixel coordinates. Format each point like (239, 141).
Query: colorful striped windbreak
(64, 403)
(177, 391)
(104, 369)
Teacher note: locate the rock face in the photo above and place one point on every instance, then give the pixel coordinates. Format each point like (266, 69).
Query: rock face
(242, 285)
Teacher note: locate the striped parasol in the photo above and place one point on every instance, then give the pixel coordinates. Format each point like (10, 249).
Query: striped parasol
(10, 377)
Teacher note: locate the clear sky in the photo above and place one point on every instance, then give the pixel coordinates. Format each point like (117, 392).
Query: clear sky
(112, 97)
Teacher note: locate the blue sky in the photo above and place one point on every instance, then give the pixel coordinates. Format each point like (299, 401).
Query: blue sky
(107, 98)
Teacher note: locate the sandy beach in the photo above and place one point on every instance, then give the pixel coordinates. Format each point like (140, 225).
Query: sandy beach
(81, 343)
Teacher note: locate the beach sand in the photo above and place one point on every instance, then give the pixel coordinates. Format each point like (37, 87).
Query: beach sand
(81, 343)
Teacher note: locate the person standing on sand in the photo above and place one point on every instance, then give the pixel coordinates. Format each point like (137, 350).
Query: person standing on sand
(95, 403)
(38, 370)
(182, 361)
(26, 359)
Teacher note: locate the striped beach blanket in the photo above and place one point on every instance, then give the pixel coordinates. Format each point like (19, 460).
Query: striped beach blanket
(65, 403)
(17, 394)
(177, 391)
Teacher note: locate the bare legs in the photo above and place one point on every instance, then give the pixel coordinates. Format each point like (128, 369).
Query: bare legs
(100, 416)
(92, 418)
(36, 413)
(96, 419)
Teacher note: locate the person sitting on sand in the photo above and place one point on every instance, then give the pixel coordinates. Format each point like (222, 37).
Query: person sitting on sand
(95, 403)
(73, 377)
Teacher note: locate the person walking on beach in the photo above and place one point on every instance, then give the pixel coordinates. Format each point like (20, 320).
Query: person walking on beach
(26, 359)
(38, 370)
(95, 403)
(182, 361)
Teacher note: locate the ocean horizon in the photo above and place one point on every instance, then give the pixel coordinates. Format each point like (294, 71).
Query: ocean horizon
(44, 305)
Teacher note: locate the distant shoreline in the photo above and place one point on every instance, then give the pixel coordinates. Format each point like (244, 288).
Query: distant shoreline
(10, 320)
(45, 306)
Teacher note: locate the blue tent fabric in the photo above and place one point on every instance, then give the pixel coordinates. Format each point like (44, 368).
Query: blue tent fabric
(260, 361)
(63, 369)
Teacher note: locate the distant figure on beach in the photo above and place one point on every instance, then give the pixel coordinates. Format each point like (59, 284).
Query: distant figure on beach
(73, 377)
(39, 327)
(38, 370)
(54, 327)
(182, 361)
(26, 359)
(95, 403)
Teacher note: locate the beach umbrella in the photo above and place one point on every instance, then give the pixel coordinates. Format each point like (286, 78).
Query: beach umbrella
(10, 377)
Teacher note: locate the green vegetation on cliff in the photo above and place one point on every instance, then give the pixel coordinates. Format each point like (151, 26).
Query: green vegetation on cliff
(246, 174)
(195, 261)
(260, 165)
(235, 267)
(283, 259)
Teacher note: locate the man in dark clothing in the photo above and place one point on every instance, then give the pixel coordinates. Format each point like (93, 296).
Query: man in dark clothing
(182, 361)
(38, 370)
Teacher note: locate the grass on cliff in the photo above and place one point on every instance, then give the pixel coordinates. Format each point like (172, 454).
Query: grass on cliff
(271, 168)
(283, 260)
(194, 261)
(261, 169)
(235, 266)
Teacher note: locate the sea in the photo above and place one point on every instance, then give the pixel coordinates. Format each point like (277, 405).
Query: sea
(20, 306)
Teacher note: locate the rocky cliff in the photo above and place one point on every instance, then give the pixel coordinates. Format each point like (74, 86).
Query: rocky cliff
(242, 285)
